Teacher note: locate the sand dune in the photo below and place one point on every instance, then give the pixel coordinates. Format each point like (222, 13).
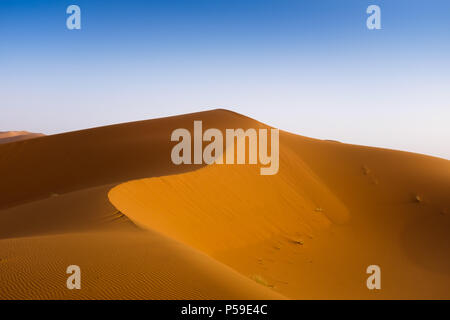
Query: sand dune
(11, 136)
(110, 200)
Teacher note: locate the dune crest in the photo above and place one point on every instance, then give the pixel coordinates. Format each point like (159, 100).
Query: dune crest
(11, 136)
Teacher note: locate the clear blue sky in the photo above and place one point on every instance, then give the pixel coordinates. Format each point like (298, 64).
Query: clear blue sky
(309, 67)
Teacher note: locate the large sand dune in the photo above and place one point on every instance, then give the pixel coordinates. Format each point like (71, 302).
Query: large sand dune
(110, 200)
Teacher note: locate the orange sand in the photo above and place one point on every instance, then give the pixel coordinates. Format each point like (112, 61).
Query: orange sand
(110, 200)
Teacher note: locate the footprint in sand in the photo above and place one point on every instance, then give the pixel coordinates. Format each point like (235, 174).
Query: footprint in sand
(296, 241)
(418, 198)
(259, 279)
(367, 172)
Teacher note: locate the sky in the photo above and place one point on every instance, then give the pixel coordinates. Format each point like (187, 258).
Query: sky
(308, 67)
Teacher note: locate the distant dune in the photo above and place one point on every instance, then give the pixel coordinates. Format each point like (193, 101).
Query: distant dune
(110, 200)
(11, 136)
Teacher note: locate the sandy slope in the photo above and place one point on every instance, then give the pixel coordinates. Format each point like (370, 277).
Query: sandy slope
(219, 231)
(118, 265)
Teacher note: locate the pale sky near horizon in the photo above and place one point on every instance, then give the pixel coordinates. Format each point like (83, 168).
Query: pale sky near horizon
(308, 67)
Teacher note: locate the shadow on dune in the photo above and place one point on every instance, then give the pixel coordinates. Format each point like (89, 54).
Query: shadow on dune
(63, 180)
(58, 164)
(426, 241)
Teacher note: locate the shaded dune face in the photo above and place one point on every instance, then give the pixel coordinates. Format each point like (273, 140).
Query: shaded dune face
(111, 200)
(36, 169)
(82, 210)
